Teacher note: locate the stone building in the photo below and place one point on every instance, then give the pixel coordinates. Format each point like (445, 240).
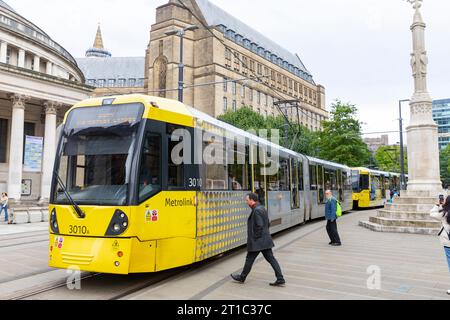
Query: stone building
(247, 54)
(111, 75)
(39, 82)
(376, 143)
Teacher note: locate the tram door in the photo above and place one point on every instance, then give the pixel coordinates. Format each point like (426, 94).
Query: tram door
(295, 199)
(320, 184)
(340, 186)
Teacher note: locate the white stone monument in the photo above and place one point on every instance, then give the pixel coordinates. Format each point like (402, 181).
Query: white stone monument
(410, 212)
(423, 149)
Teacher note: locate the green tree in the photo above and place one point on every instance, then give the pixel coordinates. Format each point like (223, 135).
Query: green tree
(388, 159)
(341, 141)
(444, 159)
(246, 119)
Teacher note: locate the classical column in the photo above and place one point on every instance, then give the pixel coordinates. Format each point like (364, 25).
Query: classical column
(37, 64)
(3, 51)
(51, 110)
(423, 148)
(49, 68)
(16, 147)
(21, 61)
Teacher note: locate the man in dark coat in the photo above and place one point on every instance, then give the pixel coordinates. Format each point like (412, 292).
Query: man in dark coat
(259, 241)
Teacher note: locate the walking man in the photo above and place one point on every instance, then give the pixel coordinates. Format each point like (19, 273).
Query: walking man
(259, 241)
(331, 216)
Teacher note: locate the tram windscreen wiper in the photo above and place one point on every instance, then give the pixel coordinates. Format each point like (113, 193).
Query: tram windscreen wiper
(76, 207)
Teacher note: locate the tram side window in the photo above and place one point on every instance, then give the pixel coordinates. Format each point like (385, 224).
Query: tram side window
(215, 165)
(364, 182)
(175, 172)
(301, 184)
(283, 175)
(330, 180)
(150, 171)
(313, 177)
(238, 169)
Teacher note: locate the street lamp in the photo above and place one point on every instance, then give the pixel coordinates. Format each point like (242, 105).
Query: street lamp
(181, 33)
(402, 155)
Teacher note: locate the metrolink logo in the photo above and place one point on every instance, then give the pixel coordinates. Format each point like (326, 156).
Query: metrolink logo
(180, 203)
(256, 148)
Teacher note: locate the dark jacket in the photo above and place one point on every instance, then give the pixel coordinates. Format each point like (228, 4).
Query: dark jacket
(330, 209)
(259, 237)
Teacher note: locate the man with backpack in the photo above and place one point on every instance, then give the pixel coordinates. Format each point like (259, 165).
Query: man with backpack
(333, 211)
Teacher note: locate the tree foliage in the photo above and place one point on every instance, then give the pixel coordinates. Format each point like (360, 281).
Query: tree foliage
(444, 159)
(341, 141)
(388, 158)
(246, 119)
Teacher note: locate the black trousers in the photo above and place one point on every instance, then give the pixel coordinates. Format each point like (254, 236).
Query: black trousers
(332, 231)
(268, 255)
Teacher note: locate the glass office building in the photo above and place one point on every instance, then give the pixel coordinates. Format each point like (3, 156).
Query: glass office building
(441, 114)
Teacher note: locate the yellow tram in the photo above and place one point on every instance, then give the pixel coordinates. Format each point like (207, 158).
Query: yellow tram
(121, 203)
(371, 188)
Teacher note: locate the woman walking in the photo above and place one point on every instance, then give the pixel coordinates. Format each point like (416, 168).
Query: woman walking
(442, 213)
(4, 205)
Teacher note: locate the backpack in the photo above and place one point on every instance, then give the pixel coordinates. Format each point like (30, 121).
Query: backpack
(338, 209)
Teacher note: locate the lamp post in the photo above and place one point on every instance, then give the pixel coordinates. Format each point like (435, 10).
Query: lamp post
(402, 152)
(181, 33)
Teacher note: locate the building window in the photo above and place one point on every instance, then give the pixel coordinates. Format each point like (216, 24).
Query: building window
(3, 139)
(259, 97)
(111, 83)
(227, 54)
(132, 82)
(91, 82)
(225, 84)
(8, 56)
(259, 69)
(234, 88)
(251, 94)
(234, 106)
(243, 91)
(121, 83)
(101, 83)
(225, 105)
(252, 65)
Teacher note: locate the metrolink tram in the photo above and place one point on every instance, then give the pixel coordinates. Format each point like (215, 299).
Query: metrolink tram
(135, 190)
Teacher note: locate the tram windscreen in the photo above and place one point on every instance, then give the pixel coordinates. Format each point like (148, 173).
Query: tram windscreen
(96, 152)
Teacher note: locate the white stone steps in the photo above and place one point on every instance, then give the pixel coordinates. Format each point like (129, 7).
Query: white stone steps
(404, 215)
(414, 230)
(416, 200)
(433, 224)
(409, 207)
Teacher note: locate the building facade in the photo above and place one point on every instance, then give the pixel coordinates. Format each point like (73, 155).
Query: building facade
(441, 115)
(39, 82)
(376, 143)
(233, 67)
(111, 75)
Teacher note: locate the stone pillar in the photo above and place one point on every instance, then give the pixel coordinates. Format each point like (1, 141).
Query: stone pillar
(423, 147)
(3, 51)
(21, 61)
(16, 147)
(49, 68)
(51, 110)
(37, 64)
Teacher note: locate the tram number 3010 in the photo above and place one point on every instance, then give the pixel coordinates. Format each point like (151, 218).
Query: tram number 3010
(194, 183)
(78, 230)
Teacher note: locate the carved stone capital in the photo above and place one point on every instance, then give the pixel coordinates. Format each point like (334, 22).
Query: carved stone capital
(51, 107)
(421, 108)
(19, 101)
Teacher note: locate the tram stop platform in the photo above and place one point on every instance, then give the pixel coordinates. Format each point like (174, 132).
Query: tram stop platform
(369, 265)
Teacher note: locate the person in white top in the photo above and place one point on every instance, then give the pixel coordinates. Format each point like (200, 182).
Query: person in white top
(4, 205)
(441, 212)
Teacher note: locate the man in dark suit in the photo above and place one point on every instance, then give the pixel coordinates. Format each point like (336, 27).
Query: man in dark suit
(259, 241)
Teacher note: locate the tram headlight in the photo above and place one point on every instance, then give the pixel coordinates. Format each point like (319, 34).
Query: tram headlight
(54, 222)
(118, 225)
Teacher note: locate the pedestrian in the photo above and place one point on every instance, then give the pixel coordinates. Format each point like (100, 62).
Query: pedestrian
(259, 241)
(4, 206)
(331, 216)
(442, 213)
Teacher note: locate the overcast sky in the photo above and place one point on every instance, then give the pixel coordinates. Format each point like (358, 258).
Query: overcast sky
(358, 49)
